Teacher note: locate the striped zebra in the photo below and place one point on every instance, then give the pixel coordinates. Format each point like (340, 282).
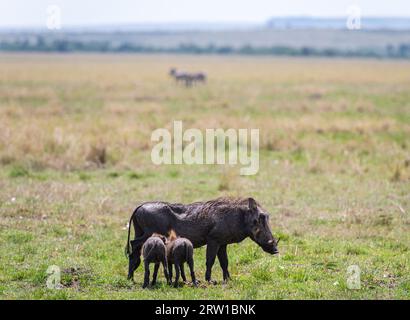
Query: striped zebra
(188, 79)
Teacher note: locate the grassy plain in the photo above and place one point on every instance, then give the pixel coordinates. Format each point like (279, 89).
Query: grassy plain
(334, 171)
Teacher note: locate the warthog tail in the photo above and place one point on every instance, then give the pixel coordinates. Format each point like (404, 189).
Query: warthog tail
(172, 236)
(127, 250)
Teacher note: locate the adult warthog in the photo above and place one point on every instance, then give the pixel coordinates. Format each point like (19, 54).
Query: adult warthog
(214, 223)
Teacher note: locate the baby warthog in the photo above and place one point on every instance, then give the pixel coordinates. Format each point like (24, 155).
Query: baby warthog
(179, 251)
(154, 251)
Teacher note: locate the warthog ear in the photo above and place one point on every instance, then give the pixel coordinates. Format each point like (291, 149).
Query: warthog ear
(252, 204)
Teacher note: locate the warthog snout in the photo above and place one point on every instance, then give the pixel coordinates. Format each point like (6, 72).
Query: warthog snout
(260, 230)
(272, 246)
(276, 246)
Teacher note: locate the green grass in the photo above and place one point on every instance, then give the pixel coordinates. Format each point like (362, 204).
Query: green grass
(334, 173)
(313, 261)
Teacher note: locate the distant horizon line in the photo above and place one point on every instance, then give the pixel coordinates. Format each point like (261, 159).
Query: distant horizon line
(199, 23)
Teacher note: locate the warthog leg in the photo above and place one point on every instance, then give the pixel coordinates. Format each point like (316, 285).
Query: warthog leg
(134, 262)
(170, 271)
(176, 274)
(191, 269)
(146, 275)
(181, 267)
(164, 265)
(211, 251)
(223, 261)
(135, 256)
(154, 277)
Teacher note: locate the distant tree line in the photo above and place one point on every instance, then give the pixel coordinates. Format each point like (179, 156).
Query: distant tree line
(40, 44)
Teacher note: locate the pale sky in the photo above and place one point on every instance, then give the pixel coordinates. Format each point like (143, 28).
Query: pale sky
(33, 13)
